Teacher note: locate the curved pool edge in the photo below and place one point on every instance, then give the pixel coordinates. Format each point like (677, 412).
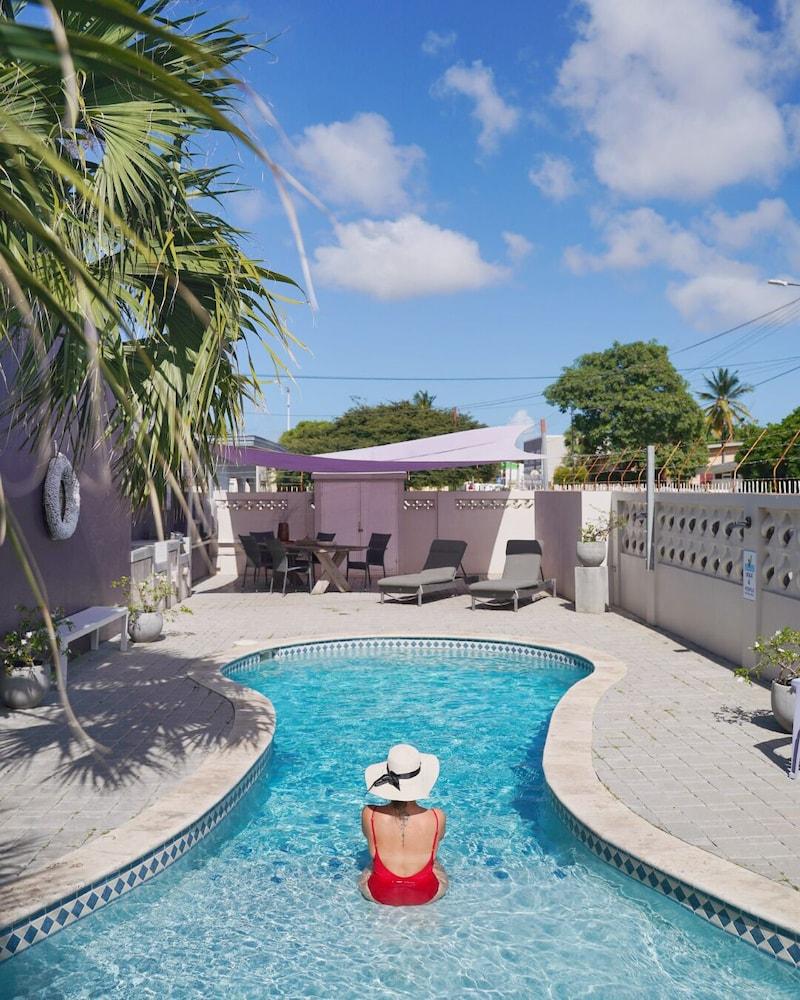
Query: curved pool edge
(763, 913)
(107, 867)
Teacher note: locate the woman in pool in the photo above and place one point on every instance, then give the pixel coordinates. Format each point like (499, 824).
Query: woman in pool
(402, 836)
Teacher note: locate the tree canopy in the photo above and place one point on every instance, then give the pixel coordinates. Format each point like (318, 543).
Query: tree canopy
(626, 397)
(759, 464)
(403, 420)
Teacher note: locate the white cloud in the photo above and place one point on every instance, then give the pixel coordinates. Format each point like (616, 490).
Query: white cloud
(640, 238)
(357, 163)
(522, 416)
(435, 42)
(554, 177)
(496, 117)
(675, 96)
(710, 288)
(517, 246)
(769, 225)
(404, 258)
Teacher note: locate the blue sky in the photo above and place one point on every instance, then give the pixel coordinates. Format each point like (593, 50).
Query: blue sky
(511, 186)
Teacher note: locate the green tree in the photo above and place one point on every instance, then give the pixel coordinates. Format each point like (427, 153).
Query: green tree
(626, 397)
(759, 464)
(724, 411)
(570, 474)
(403, 420)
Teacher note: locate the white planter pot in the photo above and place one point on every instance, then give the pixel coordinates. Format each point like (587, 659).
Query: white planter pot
(145, 626)
(591, 553)
(783, 702)
(25, 687)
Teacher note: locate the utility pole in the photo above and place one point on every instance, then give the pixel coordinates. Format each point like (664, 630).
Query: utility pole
(288, 408)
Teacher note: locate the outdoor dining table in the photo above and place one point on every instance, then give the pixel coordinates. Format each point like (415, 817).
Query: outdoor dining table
(330, 555)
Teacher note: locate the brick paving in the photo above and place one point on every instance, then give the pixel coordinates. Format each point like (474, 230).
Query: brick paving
(678, 740)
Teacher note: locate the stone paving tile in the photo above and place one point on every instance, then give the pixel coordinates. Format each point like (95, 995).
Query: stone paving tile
(677, 740)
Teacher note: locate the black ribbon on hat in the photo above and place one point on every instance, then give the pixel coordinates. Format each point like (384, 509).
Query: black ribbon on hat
(393, 779)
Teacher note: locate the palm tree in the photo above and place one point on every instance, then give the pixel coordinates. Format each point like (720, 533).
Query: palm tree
(423, 399)
(127, 303)
(127, 300)
(722, 394)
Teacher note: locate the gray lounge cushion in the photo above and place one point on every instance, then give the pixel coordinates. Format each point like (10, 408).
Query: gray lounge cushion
(426, 577)
(444, 558)
(522, 569)
(503, 586)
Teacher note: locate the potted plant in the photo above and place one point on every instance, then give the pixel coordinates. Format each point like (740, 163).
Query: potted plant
(147, 608)
(26, 659)
(780, 652)
(591, 548)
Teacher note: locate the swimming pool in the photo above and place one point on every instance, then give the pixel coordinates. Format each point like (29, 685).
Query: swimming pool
(268, 904)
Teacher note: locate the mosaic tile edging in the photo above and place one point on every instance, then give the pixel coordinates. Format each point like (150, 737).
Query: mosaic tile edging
(775, 941)
(90, 898)
(546, 654)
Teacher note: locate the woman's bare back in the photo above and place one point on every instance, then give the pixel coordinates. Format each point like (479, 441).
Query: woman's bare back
(406, 836)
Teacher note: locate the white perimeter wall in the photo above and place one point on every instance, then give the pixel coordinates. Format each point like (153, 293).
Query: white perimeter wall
(560, 514)
(241, 513)
(356, 508)
(484, 520)
(695, 589)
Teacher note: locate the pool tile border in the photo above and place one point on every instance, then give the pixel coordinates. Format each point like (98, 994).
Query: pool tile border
(775, 941)
(251, 733)
(762, 913)
(30, 930)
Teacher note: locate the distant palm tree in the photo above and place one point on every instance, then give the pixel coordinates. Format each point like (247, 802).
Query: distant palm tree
(423, 399)
(722, 394)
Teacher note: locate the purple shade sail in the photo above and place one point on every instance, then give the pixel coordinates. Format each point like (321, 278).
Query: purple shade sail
(483, 446)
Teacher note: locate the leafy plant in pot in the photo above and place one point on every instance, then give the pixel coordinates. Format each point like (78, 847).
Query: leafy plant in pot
(26, 659)
(147, 608)
(592, 537)
(780, 652)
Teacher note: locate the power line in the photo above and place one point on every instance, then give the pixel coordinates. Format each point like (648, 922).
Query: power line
(739, 326)
(779, 375)
(423, 379)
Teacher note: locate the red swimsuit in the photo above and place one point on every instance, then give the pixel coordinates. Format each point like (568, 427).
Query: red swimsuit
(403, 890)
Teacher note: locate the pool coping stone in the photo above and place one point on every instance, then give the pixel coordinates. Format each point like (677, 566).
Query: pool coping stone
(741, 902)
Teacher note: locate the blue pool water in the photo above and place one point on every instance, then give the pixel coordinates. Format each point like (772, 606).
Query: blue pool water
(268, 905)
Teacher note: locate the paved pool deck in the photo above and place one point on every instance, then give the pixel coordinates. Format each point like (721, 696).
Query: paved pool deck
(678, 740)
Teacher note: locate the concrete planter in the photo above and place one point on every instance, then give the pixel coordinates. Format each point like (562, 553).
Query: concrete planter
(591, 553)
(783, 705)
(25, 687)
(145, 626)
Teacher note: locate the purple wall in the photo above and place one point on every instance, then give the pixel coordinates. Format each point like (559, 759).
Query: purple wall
(77, 572)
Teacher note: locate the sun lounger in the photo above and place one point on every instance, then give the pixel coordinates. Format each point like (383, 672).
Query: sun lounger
(438, 573)
(522, 576)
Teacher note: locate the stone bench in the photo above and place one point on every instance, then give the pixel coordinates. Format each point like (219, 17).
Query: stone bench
(89, 622)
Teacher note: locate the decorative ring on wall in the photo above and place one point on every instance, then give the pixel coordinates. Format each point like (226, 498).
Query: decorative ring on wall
(62, 498)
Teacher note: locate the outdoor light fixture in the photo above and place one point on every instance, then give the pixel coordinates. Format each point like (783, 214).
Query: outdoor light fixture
(783, 283)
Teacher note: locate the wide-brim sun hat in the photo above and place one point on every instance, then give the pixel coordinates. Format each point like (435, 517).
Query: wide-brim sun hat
(405, 775)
